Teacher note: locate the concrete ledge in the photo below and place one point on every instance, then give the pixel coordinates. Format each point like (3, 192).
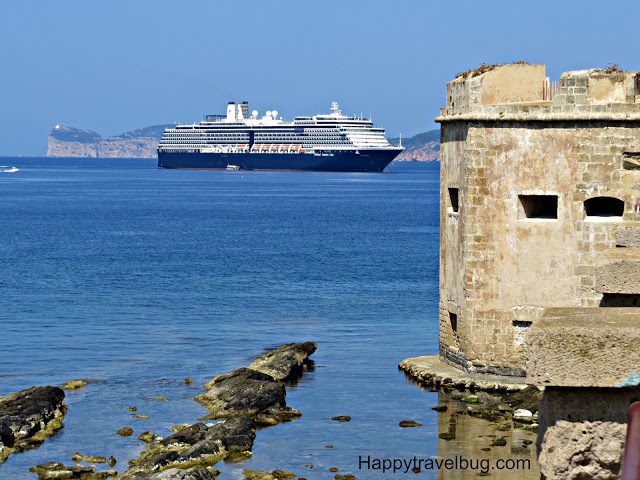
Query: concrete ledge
(431, 371)
(585, 347)
(618, 271)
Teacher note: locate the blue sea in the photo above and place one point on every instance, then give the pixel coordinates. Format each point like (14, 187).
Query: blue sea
(138, 277)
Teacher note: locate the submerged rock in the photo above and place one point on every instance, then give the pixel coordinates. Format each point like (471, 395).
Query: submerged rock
(57, 471)
(28, 417)
(282, 474)
(147, 437)
(284, 361)
(95, 459)
(470, 399)
(125, 431)
(498, 442)
(74, 384)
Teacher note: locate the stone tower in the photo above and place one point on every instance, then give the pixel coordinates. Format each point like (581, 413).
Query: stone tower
(540, 190)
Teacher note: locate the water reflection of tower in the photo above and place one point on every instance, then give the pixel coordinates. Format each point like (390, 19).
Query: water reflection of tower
(464, 437)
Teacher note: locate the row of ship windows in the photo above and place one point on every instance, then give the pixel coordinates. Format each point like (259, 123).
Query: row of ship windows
(269, 138)
(167, 147)
(261, 134)
(258, 135)
(183, 144)
(297, 131)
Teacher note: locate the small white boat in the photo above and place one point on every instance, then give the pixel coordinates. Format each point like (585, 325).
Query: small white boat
(233, 167)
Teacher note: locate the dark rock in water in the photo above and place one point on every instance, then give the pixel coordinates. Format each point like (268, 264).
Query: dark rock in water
(246, 392)
(198, 445)
(28, 417)
(6, 436)
(409, 423)
(235, 434)
(179, 474)
(203, 447)
(341, 418)
(284, 361)
(190, 435)
(242, 392)
(125, 431)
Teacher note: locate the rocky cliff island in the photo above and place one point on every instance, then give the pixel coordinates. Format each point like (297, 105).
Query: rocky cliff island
(423, 147)
(73, 142)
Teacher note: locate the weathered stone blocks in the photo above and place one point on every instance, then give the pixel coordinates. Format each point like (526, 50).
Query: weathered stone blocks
(618, 271)
(628, 236)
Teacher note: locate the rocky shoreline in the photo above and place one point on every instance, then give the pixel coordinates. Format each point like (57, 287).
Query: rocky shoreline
(243, 401)
(28, 417)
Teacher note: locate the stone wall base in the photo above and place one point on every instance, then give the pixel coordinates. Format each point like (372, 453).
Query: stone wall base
(458, 360)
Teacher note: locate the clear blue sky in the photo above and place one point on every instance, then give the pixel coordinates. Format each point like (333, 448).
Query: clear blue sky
(113, 66)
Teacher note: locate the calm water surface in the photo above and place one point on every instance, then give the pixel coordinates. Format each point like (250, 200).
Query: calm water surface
(139, 277)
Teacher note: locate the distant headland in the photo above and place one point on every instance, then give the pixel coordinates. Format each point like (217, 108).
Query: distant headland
(141, 143)
(74, 142)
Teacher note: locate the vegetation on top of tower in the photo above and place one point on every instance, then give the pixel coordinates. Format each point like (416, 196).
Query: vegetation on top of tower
(613, 68)
(484, 68)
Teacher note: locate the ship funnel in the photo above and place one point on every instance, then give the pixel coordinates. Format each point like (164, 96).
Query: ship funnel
(231, 112)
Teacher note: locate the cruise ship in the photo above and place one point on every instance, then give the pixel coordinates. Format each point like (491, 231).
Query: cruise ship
(331, 143)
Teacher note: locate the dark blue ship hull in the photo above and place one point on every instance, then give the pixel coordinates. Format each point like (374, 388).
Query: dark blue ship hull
(330, 161)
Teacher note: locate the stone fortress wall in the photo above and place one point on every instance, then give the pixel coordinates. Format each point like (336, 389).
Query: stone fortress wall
(538, 197)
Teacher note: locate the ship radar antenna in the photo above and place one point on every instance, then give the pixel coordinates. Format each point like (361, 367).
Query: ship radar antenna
(335, 108)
